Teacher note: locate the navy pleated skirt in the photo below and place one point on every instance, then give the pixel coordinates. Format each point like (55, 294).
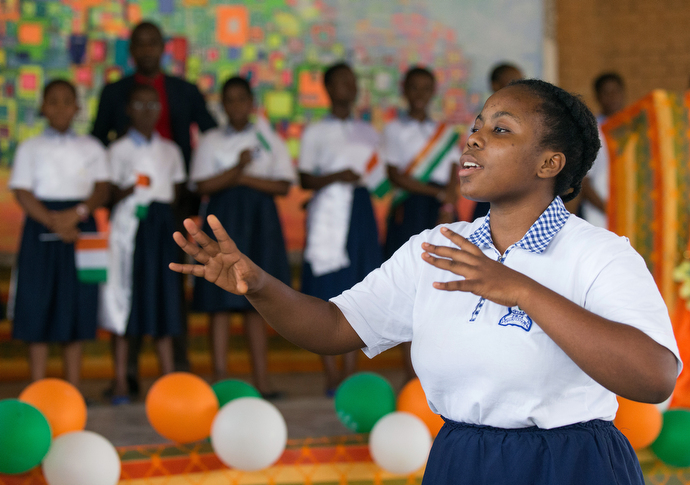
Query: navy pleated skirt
(414, 215)
(591, 453)
(51, 305)
(251, 219)
(363, 249)
(156, 307)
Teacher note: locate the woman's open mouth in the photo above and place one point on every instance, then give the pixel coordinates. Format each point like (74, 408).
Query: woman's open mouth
(468, 165)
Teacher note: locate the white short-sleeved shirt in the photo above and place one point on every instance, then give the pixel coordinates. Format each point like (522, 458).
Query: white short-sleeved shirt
(159, 159)
(219, 150)
(483, 363)
(332, 145)
(598, 177)
(405, 137)
(59, 166)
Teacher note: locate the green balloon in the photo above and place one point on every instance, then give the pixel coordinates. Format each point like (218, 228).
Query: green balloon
(362, 399)
(672, 446)
(230, 389)
(24, 436)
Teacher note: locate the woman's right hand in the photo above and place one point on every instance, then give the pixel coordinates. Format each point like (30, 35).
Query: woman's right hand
(221, 262)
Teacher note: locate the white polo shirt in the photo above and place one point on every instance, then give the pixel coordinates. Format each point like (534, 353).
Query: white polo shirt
(483, 363)
(159, 159)
(405, 137)
(332, 145)
(59, 166)
(220, 148)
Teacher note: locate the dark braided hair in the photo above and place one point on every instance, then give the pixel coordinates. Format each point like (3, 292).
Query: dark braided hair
(569, 127)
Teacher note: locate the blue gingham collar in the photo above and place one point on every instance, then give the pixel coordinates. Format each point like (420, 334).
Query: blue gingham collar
(539, 235)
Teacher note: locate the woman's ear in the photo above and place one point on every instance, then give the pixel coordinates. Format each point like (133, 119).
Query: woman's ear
(552, 166)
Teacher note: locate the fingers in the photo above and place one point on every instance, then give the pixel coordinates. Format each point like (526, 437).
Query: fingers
(458, 267)
(460, 241)
(207, 244)
(193, 269)
(192, 249)
(226, 245)
(447, 252)
(453, 286)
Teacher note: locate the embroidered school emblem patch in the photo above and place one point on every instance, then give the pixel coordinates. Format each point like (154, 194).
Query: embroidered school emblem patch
(517, 318)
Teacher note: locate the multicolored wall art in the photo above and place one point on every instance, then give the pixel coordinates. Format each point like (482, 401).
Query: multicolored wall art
(281, 45)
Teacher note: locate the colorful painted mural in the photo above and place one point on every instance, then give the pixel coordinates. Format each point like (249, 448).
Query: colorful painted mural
(281, 45)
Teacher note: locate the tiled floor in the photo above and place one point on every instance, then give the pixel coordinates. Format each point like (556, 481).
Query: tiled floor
(307, 411)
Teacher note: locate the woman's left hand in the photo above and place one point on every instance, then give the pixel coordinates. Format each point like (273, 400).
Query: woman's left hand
(482, 275)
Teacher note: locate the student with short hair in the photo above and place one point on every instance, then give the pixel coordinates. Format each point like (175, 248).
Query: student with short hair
(342, 244)
(58, 178)
(242, 167)
(140, 296)
(421, 156)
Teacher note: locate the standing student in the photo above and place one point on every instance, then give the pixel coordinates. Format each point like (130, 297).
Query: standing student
(501, 75)
(182, 107)
(525, 325)
(610, 91)
(140, 296)
(58, 178)
(422, 157)
(342, 238)
(242, 167)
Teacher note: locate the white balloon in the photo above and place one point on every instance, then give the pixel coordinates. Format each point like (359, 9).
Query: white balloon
(81, 458)
(400, 443)
(249, 433)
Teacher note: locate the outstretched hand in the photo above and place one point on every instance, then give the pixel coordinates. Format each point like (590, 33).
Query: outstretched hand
(482, 275)
(220, 261)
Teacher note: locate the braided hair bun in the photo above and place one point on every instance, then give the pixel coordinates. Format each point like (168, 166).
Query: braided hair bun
(569, 127)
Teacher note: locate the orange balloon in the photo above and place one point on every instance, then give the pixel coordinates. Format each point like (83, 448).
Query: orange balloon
(639, 422)
(413, 400)
(60, 402)
(181, 407)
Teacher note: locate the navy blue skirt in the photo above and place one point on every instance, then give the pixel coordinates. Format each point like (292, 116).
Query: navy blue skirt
(156, 306)
(414, 215)
(51, 305)
(363, 249)
(251, 219)
(591, 453)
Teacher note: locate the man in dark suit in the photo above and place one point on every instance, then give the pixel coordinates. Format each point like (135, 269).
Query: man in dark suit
(181, 102)
(181, 106)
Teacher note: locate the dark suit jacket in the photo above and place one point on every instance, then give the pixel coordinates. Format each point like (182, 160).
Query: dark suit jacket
(186, 105)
